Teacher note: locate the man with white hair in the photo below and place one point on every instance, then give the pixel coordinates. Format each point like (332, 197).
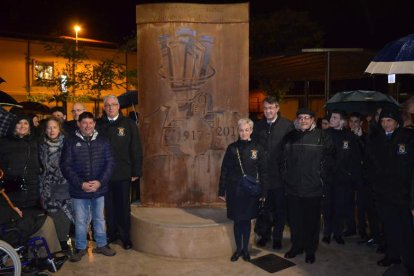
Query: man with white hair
(124, 137)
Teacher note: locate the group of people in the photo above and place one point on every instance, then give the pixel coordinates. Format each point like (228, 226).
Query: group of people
(74, 171)
(306, 171)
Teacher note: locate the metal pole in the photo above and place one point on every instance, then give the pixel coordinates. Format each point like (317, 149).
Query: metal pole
(327, 76)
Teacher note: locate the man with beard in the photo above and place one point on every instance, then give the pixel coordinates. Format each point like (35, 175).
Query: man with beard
(307, 152)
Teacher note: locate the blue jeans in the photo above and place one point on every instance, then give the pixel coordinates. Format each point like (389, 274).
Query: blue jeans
(84, 208)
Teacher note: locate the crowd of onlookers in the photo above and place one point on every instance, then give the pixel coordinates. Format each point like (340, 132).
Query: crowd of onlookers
(67, 172)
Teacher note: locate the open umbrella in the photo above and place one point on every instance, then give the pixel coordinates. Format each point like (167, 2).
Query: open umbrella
(34, 107)
(362, 101)
(6, 99)
(397, 57)
(129, 98)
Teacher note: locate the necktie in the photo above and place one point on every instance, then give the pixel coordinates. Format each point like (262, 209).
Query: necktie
(389, 135)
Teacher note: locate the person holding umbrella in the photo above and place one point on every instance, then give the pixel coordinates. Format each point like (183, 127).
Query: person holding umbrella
(390, 165)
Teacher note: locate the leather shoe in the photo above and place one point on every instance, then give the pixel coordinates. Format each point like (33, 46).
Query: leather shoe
(235, 256)
(127, 245)
(277, 245)
(246, 256)
(310, 258)
(339, 240)
(261, 242)
(388, 261)
(292, 253)
(326, 239)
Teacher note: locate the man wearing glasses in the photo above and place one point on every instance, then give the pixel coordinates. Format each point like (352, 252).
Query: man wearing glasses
(124, 137)
(71, 126)
(307, 152)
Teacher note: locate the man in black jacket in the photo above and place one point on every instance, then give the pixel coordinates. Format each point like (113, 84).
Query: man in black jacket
(390, 170)
(125, 140)
(269, 133)
(339, 200)
(307, 152)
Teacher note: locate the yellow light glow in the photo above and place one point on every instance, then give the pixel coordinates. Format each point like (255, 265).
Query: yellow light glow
(77, 28)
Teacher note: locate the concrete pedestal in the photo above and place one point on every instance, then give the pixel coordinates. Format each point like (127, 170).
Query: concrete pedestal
(192, 233)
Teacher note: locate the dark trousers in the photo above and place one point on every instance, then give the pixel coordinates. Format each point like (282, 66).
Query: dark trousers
(242, 235)
(304, 219)
(338, 209)
(276, 204)
(399, 232)
(118, 209)
(366, 209)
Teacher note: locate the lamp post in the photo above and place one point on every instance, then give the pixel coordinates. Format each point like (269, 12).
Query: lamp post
(77, 28)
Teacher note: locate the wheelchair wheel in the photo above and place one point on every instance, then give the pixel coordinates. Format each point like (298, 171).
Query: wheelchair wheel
(9, 260)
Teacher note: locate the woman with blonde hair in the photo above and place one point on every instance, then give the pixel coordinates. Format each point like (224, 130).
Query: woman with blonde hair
(242, 157)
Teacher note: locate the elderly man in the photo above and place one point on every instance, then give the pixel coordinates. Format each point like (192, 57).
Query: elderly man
(269, 133)
(124, 137)
(71, 126)
(306, 151)
(87, 163)
(390, 170)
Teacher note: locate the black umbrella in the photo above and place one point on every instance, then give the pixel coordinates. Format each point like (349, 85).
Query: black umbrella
(6, 99)
(34, 107)
(129, 98)
(364, 102)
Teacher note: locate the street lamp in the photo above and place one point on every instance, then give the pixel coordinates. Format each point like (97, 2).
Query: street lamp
(77, 28)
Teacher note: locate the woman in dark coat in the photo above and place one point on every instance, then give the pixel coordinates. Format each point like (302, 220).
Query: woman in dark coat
(54, 188)
(242, 207)
(19, 158)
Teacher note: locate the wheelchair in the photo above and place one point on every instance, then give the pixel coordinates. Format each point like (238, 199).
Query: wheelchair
(32, 257)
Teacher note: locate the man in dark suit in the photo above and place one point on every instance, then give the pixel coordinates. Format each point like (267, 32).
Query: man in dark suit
(269, 133)
(124, 137)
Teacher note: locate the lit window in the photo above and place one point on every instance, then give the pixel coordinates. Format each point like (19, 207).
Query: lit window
(64, 83)
(43, 71)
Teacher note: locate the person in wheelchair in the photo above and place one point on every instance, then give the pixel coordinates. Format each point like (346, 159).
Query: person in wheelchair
(17, 227)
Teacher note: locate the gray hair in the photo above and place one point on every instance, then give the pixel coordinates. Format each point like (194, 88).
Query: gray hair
(106, 98)
(244, 121)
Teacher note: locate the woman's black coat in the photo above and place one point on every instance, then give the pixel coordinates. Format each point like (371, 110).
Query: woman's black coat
(15, 152)
(241, 206)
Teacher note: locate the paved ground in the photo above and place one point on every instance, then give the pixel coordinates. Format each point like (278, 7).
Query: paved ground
(331, 260)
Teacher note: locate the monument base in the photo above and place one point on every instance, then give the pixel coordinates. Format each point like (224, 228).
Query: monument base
(192, 233)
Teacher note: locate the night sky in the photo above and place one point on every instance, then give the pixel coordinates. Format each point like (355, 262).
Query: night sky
(346, 23)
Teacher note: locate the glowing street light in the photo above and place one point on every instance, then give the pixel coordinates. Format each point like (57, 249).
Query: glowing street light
(77, 28)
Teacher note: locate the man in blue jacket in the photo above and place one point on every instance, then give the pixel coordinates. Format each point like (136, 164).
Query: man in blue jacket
(87, 163)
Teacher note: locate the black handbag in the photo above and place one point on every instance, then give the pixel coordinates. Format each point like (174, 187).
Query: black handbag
(12, 184)
(247, 183)
(264, 221)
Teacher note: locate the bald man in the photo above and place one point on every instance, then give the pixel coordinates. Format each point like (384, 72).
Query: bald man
(71, 126)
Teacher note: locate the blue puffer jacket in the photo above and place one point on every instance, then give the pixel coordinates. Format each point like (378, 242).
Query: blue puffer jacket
(83, 161)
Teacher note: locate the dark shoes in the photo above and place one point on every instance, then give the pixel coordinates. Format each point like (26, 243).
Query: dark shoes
(235, 256)
(310, 258)
(104, 250)
(339, 240)
(77, 256)
(246, 256)
(261, 242)
(326, 239)
(277, 245)
(388, 261)
(292, 253)
(127, 245)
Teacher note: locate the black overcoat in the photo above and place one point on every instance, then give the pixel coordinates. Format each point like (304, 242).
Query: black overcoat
(241, 206)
